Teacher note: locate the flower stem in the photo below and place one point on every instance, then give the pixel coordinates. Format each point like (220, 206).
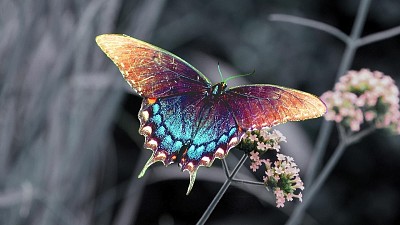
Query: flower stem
(345, 64)
(221, 191)
(308, 197)
(310, 23)
(345, 142)
(325, 131)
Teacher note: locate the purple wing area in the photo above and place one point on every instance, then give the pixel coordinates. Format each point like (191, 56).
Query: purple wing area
(259, 106)
(151, 71)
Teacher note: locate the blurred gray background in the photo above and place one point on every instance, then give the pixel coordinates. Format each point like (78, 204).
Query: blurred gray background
(70, 152)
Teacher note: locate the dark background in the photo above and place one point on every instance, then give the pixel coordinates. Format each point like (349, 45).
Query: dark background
(70, 150)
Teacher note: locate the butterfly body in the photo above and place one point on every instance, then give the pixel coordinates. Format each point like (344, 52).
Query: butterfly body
(183, 114)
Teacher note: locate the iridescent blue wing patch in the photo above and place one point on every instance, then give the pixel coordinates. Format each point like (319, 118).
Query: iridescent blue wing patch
(168, 125)
(202, 130)
(217, 132)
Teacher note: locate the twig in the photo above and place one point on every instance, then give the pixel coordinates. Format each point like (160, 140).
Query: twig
(316, 186)
(226, 168)
(221, 191)
(311, 23)
(383, 35)
(326, 128)
(249, 182)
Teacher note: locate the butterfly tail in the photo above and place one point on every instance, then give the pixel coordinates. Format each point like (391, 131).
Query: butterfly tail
(149, 162)
(192, 179)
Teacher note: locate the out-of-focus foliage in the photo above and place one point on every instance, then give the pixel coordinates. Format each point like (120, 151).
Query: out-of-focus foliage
(69, 151)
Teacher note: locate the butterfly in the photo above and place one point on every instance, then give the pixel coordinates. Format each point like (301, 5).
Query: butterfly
(183, 114)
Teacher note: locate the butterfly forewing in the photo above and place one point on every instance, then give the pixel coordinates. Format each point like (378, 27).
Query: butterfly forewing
(151, 71)
(259, 106)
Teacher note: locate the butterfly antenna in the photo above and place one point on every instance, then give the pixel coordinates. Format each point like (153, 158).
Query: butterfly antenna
(240, 75)
(220, 73)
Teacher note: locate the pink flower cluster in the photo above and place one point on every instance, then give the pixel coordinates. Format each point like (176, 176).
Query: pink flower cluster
(263, 140)
(364, 97)
(282, 175)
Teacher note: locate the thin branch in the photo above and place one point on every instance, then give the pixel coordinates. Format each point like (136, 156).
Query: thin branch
(326, 128)
(248, 182)
(351, 137)
(358, 136)
(358, 25)
(379, 36)
(346, 61)
(316, 186)
(311, 23)
(226, 168)
(342, 132)
(221, 191)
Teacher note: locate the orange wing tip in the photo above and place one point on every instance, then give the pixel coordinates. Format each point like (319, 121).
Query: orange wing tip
(100, 39)
(320, 110)
(323, 108)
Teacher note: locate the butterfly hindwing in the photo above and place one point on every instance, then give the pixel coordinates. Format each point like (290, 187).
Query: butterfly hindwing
(259, 106)
(200, 129)
(217, 133)
(168, 124)
(151, 71)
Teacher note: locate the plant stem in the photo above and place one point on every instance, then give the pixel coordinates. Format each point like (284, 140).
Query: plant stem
(310, 23)
(345, 64)
(298, 212)
(344, 142)
(221, 191)
(383, 35)
(323, 137)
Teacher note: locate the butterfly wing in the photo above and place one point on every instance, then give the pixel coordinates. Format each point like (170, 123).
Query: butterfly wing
(151, 71)
(168, 124)
(259, 106)
(217, 133)
(202, 128)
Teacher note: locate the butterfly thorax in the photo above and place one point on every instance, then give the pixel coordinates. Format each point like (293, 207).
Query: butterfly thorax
(218, 89)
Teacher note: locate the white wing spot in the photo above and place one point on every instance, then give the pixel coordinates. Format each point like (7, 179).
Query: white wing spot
(152, 144)
(160, 156)
(205, 160)
(145, 115)
(220, 153)
(233, 141)
(147, 130)
(190, 166)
